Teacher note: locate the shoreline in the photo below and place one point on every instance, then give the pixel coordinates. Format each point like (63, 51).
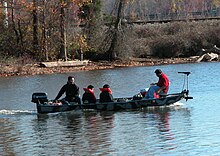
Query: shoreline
(35, 69)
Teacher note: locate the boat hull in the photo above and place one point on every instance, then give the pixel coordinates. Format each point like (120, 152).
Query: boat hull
(134, 104)
(48, 108)
(118, 104)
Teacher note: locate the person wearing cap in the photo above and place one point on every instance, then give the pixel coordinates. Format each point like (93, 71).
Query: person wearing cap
(161, 87)
(71, 90)
(106, 94)
(89, 95)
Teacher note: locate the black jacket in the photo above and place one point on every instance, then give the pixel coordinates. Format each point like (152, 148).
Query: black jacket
(105, 96)
(88, 98)
(72, 91)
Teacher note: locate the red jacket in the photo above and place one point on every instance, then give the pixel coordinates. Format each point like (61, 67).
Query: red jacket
(163, 81)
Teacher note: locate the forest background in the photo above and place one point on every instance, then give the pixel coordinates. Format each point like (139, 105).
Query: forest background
(48, 30)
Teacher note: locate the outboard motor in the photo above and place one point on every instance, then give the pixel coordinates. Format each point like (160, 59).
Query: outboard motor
(186, 91)
(39, 98)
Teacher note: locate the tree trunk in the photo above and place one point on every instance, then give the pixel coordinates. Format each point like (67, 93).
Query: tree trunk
(44, 33)
(63, 53)
(113, 47)
(35, 27)
(20, 33)
(13, 23)
(5, 12)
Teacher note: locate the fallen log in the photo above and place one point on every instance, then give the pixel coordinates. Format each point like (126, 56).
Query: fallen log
(208, 57)
(64, 64)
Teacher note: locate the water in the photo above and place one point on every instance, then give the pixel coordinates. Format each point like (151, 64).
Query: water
(186, 128)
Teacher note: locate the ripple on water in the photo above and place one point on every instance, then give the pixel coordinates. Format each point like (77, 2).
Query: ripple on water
(185, 128)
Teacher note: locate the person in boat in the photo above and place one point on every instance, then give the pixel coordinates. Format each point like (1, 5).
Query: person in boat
(106, 94)
(89, 95)
(71, 90)
(141, 94)
(160, 88)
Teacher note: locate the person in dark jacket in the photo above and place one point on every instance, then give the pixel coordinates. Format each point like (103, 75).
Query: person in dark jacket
(89, 95)
(71, 90)
(106, 94)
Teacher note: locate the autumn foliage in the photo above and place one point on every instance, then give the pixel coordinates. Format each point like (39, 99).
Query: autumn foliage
(33, 28)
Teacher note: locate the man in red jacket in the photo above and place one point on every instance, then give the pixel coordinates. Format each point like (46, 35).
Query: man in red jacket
(161, 87)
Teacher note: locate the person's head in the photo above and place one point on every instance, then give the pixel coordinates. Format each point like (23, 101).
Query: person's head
(106, 86)
(158, 72)
(90, 87)
(71, 80)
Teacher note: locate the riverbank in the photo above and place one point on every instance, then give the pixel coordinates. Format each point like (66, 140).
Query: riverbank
(35, 68)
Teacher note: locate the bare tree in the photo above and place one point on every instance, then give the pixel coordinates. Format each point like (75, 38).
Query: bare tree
(63, 53)
(44, 32)
(112, 51)
(13, 22)
(35, 27)
(5, 12)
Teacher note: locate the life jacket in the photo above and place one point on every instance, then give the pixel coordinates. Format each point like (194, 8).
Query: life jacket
(88, 90)
(106, 89)
(89, 98)
(105, 95)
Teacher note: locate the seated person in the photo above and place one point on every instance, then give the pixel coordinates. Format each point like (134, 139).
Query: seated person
(106, 94)
(161, 87)
(89, 95)
(141, 94)
(71, 90)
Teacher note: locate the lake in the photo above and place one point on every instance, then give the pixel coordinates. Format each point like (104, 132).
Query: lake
(186, 128)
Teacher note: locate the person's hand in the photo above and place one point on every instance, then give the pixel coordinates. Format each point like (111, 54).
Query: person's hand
(152, 84)
(158, 91)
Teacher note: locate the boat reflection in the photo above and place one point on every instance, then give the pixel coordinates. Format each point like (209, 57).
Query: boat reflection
(162, 119)
(88, 132)
(7, 137)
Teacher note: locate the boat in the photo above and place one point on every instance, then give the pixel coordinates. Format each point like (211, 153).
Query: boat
(49, 106)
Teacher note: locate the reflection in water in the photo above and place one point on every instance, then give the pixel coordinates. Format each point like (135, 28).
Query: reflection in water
(98, 129)
(56, 131)
(7, 137)
(94, 133)
(162, 118)
(73, 134)
(190, 129)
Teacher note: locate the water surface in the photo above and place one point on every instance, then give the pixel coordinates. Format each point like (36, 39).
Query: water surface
(186, 128)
